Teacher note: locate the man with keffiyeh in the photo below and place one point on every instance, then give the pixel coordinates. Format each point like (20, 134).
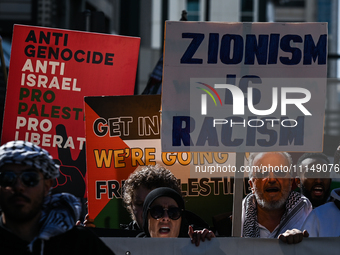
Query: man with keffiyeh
(272, 208)
(32, 220)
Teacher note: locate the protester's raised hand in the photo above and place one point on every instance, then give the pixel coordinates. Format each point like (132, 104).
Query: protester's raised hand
(72, 171)
(88, 222)
(200, 235)
(293, 236)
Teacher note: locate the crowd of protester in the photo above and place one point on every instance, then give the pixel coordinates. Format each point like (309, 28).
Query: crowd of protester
(35, 221)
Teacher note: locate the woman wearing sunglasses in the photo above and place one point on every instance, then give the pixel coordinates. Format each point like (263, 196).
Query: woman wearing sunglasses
(163, 212)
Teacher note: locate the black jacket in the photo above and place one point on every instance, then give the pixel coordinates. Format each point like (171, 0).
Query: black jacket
(78, 240)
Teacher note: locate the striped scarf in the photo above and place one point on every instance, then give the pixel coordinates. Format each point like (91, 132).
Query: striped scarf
(294, 205)
(60, 213)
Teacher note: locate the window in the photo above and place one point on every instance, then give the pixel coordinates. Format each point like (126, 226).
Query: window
(247, 11)
(193, 8)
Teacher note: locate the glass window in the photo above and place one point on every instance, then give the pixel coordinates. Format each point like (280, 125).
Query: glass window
(247, 10)
(193, 8)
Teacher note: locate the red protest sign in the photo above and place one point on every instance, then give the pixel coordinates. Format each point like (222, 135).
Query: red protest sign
(51, 70)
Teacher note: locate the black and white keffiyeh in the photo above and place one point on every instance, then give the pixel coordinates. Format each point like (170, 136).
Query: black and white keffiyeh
(294, 206)
(251, 225)
(27, 153)
(60, 213)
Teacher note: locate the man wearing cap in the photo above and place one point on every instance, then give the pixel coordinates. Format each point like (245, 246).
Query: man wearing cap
(272, 208)
(32, 221)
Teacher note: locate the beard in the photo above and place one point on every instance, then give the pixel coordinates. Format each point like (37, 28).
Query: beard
(271, 205)
(315, 201)
(18, 213)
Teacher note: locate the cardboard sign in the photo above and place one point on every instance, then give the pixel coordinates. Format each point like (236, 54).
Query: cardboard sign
(117, 132)
(123, 133)
(244, 87)
(51, 70)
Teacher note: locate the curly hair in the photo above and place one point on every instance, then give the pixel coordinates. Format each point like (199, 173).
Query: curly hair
(150, 177)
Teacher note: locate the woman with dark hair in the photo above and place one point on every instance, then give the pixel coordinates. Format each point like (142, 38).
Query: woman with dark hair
(163, 216)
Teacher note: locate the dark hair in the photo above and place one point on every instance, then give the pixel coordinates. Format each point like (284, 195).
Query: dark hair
(313, 156)
(150, 177)
(152, 196)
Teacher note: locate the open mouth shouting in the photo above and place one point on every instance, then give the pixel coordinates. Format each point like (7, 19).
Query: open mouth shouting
(164, 230)
(318, 190)
(272, 190)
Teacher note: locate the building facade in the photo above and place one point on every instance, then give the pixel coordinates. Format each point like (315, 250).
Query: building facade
(145, 19)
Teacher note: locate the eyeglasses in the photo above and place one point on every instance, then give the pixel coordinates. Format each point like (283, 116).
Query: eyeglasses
(265, 174)
(158, 211)
(28, 178)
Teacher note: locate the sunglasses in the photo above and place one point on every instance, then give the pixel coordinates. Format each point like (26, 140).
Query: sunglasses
(158, 211)
(28, 178)
(265, 174)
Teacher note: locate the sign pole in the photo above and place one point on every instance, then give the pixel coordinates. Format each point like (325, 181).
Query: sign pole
(238, 196)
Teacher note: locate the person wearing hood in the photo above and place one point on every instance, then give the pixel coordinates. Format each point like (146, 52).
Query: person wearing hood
(163, 216)
(32, 221)
(323, 221)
